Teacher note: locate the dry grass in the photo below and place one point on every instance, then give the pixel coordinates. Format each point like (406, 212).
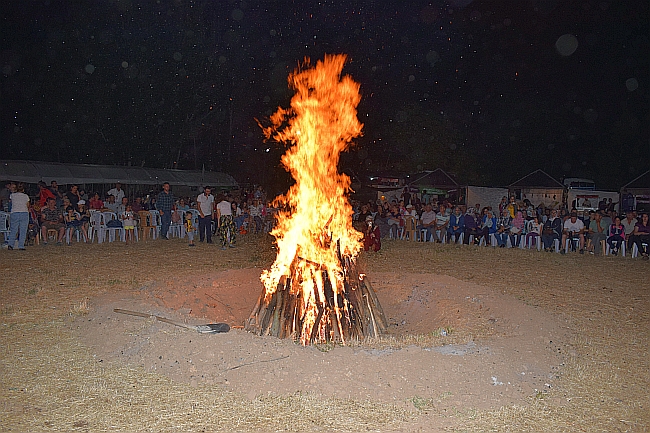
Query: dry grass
(50, 382)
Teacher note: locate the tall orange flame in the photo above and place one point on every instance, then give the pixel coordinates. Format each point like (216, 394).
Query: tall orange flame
(315, 227)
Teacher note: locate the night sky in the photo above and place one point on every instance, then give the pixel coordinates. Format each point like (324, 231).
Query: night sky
(487, 90)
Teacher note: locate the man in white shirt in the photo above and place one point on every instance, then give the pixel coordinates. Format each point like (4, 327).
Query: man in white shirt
(111, 204)
(442, 222)
(117, 192)
(574, 227)
(205, 203)
(427, 221)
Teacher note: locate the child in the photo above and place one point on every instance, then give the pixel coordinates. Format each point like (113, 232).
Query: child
(189, 228)
(534, 228)
(128, 223)
(73, 222)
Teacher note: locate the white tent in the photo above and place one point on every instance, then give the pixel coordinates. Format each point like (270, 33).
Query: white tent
(85, 174)
(485, 196)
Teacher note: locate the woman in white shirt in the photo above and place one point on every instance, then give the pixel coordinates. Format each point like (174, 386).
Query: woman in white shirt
(19, 218)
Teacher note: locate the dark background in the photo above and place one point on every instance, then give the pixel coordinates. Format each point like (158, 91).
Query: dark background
(478, 88)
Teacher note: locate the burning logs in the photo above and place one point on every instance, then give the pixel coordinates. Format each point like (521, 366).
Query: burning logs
(318, 314)
(314, 292)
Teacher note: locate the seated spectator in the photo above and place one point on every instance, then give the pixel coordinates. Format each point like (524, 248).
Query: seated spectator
(573, 229)
(533, 230)
(237, 214)
(66, 204)
(137, 205)
(84, 215)
(472, 227)
(110, 205)
(628, 223)
(442, 223)
(371, 235)
(73, 222)
(616, 236)
(551, 230)
(182, 205)
(504, 222)
(394, 220)
(427, 222)
(255, 211)
(52, 218)
(517, 229)
(121, 208)
(641, 235)
(489, 225)
(95, 202)
(597, 234)
(456, 225)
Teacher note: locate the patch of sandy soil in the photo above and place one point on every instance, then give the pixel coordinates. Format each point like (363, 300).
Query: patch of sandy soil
(498, 350)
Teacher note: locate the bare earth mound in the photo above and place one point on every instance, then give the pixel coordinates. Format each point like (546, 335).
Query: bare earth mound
(451, 343)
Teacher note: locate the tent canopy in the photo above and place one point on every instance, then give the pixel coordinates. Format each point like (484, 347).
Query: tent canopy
(537, 179)
(34, 171)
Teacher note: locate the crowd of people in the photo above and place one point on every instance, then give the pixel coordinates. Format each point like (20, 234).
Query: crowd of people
(31, 219)
(513, 224)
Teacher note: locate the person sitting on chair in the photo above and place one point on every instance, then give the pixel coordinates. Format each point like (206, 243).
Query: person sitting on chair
(597, 233)
(456, 225)
(427, 222)
(573, 229)
(641, 235)
(504, 223)
(52, 218)
(551, 230)
(616, 236)
(472, 227)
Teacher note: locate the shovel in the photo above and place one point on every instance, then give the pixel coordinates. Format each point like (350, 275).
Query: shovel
(210, 328)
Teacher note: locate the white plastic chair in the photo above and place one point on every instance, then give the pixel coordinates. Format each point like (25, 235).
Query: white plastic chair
(97, 227)
(177, 228)
(112, 231)
(4, 225)
(156, 221)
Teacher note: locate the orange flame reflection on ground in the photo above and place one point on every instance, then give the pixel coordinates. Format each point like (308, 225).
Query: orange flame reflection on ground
(320, 124)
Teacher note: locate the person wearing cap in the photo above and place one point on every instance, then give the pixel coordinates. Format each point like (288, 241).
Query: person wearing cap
(117, 192)
(573, 228)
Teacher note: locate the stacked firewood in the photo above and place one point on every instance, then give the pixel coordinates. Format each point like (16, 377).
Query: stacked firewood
(299, 313)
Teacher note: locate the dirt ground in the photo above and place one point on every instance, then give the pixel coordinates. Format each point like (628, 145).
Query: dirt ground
(480, 339)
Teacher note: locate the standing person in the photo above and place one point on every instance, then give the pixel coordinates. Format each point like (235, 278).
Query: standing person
(19, 217)
(164, 205)
(5, 193)
(225, 223)
(117, 192)
(189, 228)
(73, 195)
(43, 194)
(58, 195)
(205, 203)
(371, 235)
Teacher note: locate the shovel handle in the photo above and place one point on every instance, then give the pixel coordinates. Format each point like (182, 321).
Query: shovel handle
(132, 313)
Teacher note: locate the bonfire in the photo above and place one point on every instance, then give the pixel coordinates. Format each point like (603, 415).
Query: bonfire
(314, 292)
